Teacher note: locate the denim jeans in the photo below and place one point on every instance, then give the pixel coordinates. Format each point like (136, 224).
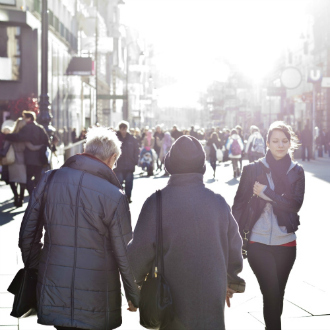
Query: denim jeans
(126, 176)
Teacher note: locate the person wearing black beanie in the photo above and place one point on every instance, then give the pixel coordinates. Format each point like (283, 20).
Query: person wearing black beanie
(185, 156)
(200, 236)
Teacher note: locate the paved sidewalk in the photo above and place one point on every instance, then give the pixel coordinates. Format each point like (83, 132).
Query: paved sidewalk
(307, 298)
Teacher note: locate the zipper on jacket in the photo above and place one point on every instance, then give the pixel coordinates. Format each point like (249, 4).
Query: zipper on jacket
(75, 249)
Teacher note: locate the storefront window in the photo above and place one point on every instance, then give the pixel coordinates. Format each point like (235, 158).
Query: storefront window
(10, 53)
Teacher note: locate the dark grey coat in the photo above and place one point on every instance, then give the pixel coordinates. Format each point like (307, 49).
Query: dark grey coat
(87, 227)
(202, 250)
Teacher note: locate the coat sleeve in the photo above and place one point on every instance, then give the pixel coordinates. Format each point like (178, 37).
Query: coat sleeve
(120, 231)
(242, 194)
(247, 147)
(235, 259)
(29, 226)
(141, 250)
(289, 203)
(21, 136)
(136, 152)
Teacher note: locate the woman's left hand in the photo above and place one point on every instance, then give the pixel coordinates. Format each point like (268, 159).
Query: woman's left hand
(258, 188)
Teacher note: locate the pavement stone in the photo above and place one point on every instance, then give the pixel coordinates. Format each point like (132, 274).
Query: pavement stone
(307, 298)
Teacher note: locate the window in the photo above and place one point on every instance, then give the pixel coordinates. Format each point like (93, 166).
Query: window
(10, 53)
(8, 2)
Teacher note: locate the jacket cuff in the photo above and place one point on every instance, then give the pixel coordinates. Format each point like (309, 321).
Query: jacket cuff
(238, 287)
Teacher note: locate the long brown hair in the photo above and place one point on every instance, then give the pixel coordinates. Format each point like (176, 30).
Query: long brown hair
(289, 133)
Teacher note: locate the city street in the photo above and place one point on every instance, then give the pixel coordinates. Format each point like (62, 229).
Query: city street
(307, 298)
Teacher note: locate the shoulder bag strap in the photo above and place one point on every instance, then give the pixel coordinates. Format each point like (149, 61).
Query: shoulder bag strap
(41, 214)
(157, 232)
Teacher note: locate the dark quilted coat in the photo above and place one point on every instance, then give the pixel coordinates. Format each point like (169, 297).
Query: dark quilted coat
(87, 227)
(202, 250)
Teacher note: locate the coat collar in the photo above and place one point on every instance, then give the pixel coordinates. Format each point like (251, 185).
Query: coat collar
(186, 179)
(264, 162)
(92, 166)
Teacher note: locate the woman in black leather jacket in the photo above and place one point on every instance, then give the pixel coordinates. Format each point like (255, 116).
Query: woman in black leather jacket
(275, 187)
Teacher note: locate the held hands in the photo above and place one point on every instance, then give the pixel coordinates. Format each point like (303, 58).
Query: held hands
(131, 307)
(258, 188)
(230, 293)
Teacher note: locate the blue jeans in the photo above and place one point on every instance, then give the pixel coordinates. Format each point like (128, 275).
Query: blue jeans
(128, 178)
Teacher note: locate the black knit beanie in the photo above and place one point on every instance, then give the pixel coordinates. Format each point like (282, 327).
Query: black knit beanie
(186, 155)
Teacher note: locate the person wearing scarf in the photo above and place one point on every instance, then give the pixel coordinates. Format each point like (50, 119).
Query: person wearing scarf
(278, 186)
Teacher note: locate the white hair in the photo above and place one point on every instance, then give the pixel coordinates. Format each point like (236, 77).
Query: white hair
(102, 143)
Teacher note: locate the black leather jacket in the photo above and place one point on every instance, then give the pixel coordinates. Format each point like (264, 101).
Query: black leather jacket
(289, 204)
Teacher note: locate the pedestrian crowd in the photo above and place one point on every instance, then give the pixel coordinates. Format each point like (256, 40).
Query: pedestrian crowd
(187, 239)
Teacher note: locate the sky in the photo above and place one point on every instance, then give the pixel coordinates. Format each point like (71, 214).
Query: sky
(193, 37)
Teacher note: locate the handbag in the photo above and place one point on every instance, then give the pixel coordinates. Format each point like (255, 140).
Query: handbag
(9, 157)
(24, 284)
(249, 223)
(218, 153)
(156, 307)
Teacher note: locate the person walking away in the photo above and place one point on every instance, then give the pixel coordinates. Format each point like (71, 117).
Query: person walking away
(279, 184)
(158, 136)
(3, 143)
(164, 146)
(255, 146)
(202, 245)
(318, 143)
(235, 146)
(129, 158)
(87, 227)
(306, 143)
(175, 133)
(36, 135)
(214, 144)
(240, 133)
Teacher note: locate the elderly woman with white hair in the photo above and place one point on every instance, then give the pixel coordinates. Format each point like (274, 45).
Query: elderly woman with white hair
(87, 227)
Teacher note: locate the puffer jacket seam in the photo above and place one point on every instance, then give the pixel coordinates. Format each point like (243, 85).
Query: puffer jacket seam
(92, 229)
(80, 247)
(43, 285)
(82, 309)
(75, 249)
(67, 287)
(107, 291)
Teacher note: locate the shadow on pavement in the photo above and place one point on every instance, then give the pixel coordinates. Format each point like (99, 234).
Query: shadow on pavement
(232, 182)
(8, 211)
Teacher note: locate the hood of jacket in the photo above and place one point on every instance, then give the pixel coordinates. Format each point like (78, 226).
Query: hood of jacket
(91, 165)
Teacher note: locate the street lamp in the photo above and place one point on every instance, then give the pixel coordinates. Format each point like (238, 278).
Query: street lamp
(44, 116)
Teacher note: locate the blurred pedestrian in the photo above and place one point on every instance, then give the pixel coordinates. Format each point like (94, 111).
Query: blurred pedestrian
(158, 136)
(214, 144)
(175, 133)
(37, 136)
(73, 135)
(193, 133)
(235, 147)
(129, 158)
(255, 146)
(87, 227)
(306, 138)
(4, 168)
(268, 199)
(240, 133)
(199, 242)
(146, 160)
(164, 145)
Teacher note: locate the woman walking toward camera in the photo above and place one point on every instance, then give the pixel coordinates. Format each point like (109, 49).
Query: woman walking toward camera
(201, 242)
(266, 206)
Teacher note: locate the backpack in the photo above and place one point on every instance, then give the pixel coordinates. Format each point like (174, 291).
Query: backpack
(258, 145)
(235, 148)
